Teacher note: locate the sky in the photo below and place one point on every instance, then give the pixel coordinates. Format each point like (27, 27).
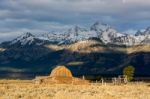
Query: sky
(38, 16)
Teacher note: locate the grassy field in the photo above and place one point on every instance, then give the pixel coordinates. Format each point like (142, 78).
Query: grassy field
(17, 89)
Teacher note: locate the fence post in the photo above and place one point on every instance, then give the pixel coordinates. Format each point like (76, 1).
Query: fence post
(83, 77)
(119, 80)
(125, 79)
(102, 81)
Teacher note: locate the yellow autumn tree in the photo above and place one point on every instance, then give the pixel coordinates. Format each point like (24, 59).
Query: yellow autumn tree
(129, 72)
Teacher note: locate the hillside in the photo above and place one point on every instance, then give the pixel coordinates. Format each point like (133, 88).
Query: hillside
(89, 57)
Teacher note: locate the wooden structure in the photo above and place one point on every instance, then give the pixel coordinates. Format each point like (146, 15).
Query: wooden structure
(60, 75)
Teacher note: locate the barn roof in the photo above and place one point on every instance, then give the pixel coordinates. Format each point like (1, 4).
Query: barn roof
(61, 71)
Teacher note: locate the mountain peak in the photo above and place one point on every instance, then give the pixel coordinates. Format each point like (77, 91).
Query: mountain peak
(27, 34)
(26, 38)
(138, 33)
(146, 32)
(99, 23)
(75, 30)
(148, 28)
(97, 26)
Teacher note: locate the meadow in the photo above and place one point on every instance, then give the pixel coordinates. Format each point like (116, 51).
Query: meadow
(26, 89)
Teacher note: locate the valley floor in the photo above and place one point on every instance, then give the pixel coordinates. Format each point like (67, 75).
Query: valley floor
(19, 89)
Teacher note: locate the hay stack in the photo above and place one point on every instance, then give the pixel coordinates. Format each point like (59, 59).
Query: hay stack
(61, 71)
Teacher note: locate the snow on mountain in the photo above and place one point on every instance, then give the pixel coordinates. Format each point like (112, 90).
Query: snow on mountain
(128, 40)
(97, 30)
(143, 37)
(77, 34)
(100, 27)
(24, 39)
(27, 39)
(138, 33)
(104, 32)
(53, 37)
(71, 35)
(146, 32)
(146, 39)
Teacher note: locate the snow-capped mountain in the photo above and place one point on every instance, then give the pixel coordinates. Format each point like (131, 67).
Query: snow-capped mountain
(25, 40)
(144, 37)
(104, 32)
(146, 32)
(97, 30)
(77, 34)
(53, 37)
(83, 45)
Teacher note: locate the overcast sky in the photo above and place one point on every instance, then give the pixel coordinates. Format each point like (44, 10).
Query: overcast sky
(37, 16)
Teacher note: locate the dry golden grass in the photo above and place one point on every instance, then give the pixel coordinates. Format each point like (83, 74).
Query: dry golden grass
(17, 89)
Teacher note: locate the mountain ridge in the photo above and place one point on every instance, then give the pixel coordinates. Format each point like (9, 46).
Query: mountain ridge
(104, 32)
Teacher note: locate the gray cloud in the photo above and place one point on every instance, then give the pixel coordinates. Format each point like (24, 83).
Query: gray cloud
(18, 16)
